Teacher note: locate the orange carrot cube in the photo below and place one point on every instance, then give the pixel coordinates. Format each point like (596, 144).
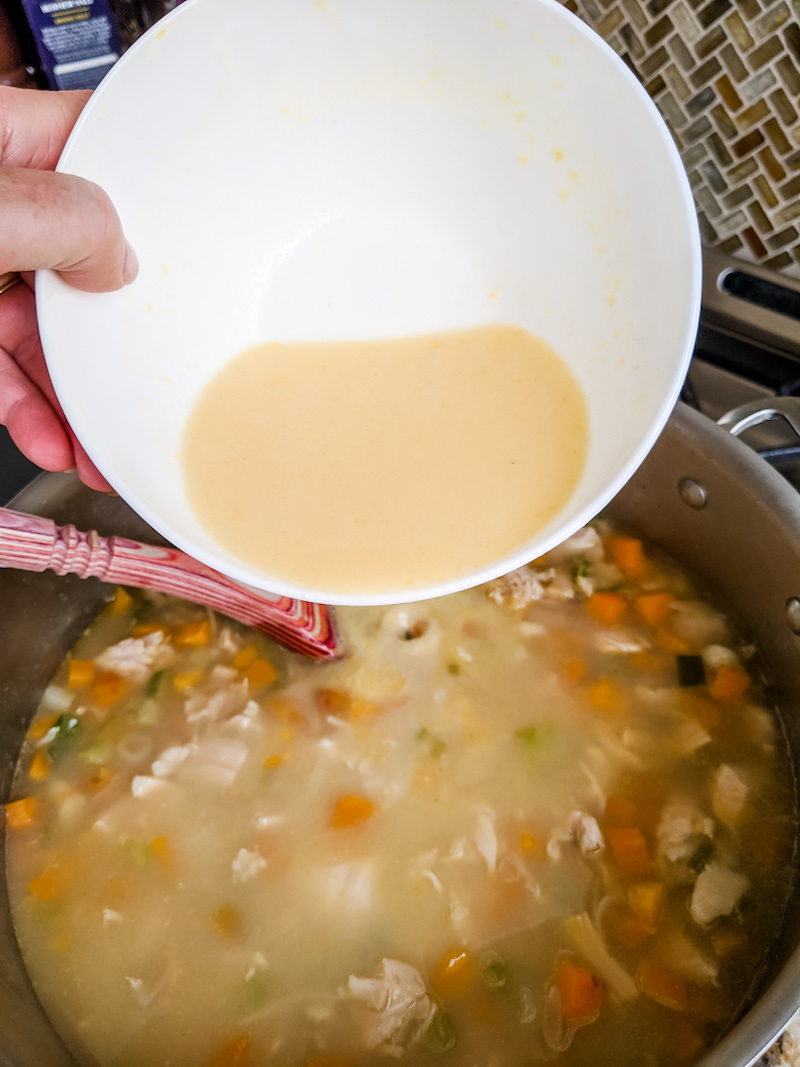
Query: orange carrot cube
(607, 608)
(21, 814)
(349, 810)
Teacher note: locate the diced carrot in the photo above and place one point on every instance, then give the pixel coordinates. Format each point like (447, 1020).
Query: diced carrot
(122, 601)
(454, 974)
(80, 673)
(271, 762)
(243, 659)
(186, 679)
(361, 708)
(529, 843)
(41, 726)
(620, 811)
(161, 846)
(683, 1041)
(628, 554)
(333, 701)
(607, 608)
(581, 993)
(606, 695)
(730, 683)
(227, 920)
(697, 705)
(653, 608)
(21, 814)
(40, 767)
(107, 689)
(575, 668)
(630, 849)
(237, 1050)
(260, 674)
(193, 634)
(507, 898)
(349, 810)
(99, 780)
(50, 883)
(648, 661)
(670, 642)
(647, 901)
(630, 930)
(662, 986)
(144, 629)
(285, 708)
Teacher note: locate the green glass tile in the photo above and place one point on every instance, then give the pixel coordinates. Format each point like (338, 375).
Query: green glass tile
(780, 262)
(737, 197)
(784, 107)
(756, 245)
(710, 43)
(789, 75)
(730, 57)
(788, 213)
(658, 31)
(757, 86)
(707, 231)
(771, 20)
(716, 147)
(654, 62)
(764, 53)
(712, 12)
(731, 246)
(713, 178)
(739, 31)
(606, 26)
(780, 240)
(791, 36)
(723, 121)
(685, 22)
(747, 144)
(759, 217)
(632, 42)
(705, 73)
(753, 115)
(676, 81)
(771, 165)
(655, 86)
(742, 171)
(700, 102)
(683, 57)
(774, 131)
(699, 128)
(694, 155)
(791, 189)
(635, 13)
(764, 190)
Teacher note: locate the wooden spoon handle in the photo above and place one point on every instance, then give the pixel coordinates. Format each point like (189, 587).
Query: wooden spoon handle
(31, 543)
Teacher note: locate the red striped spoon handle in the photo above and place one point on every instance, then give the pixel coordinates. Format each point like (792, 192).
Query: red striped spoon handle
(30, 543)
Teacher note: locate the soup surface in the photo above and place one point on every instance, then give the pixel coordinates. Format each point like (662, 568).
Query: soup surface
(546, 819)
(422, 459)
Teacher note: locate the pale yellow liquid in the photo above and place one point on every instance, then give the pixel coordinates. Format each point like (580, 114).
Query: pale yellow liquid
(371, 466)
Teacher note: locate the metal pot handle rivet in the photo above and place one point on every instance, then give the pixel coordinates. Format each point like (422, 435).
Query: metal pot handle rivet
(792, 614)
(692, 493)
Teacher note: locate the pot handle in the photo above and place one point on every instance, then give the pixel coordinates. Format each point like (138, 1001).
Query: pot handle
(757, 411)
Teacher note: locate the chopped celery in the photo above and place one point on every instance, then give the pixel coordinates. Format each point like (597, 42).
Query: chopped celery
(68, 729)
(149, 712)
(436, 747)
(581, 569)
(494, 973)
(440, 1035)
(98, 753)
(140, 852)
(256, 993)
(156, 683)
(534, 738)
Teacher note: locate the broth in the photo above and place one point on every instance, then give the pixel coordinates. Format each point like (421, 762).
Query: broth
(403, 463)
(547, 819)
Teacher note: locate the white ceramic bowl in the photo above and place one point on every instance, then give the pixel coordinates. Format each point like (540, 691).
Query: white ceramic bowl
(334, 169)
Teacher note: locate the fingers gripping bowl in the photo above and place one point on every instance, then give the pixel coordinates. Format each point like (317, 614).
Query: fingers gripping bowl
(335, 171)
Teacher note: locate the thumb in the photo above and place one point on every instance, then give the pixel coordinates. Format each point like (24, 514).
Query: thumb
(63, 223)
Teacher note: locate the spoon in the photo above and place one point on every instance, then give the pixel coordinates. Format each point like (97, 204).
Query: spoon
(31, 543)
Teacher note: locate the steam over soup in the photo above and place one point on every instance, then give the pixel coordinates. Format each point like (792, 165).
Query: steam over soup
(544, 820)
(403, 463)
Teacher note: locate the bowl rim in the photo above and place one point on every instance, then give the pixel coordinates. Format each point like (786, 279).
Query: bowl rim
(534, 547)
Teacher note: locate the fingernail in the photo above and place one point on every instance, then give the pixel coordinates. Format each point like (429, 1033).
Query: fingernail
(130, 268)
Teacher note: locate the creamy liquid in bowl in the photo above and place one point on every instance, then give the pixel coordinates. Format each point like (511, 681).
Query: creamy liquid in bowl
(369, 466)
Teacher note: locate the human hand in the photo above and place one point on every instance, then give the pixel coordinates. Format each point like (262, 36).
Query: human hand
(47, 221)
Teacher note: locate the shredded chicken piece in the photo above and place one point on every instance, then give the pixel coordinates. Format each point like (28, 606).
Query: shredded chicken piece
(171, 758)
(618, 642)
(689, 735)
(681, 827)
(589, 944)
(399, 1000)
(519, 588)
(717, 891)
(136, 658)
(716, 656)
(728, 795)
(247, 864)
(587, 832)
(222, 704)
(486, 838)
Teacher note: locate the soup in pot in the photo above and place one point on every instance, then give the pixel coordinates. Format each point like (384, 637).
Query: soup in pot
(546, 820)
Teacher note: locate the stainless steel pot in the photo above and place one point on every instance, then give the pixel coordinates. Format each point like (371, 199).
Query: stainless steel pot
(701, 494)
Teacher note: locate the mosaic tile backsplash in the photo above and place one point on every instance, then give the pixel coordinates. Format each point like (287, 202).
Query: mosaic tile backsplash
(725, 75)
